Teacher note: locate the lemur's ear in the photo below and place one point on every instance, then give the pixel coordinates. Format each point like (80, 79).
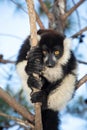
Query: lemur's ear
(38, 37)
(42, 31)
(39, 32)
(67, 43)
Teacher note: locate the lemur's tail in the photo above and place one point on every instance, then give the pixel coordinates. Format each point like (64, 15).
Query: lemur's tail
(50, 120)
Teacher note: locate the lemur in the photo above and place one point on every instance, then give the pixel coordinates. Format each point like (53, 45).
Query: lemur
(56, 65)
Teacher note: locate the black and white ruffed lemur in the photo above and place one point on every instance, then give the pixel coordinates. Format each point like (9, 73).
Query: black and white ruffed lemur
(54, 62)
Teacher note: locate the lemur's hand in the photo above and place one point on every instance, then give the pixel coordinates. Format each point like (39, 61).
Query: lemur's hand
(40, 96)
(34, 82)
(34, 64)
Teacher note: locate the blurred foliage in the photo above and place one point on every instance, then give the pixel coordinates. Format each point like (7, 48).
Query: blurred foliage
(78, 107)
(5, 108)
(70, 25)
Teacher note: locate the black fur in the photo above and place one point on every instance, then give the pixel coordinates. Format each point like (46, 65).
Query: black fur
(34, 58)
(23, 51)
(71, 65)
(50, 120)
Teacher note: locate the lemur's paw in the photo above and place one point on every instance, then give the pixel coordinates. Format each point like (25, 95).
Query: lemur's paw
(34, 64)
(34, 82)
(39, 96)
(36, 97)
(33, 67)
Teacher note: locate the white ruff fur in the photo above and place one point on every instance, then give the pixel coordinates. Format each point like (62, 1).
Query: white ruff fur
(66, 55)
(58, 98)
(38, 37)
(23, 77)
(53, 74)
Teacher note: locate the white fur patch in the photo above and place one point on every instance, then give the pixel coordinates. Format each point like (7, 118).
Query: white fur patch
(45, 59)
(53, 74)
(67, 43)
(66, 55)
(38, 37)
(23, 78)
(59, 97)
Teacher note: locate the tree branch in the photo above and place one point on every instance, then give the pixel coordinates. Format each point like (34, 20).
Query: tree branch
(19, 108)
(17, 120)
(79, 33)
(7, 61)
(81, 81)
(37, 17)
(45, 9)
(32, 22)
(34, 41)
(39, 21)
(82, 62)
(64, 17)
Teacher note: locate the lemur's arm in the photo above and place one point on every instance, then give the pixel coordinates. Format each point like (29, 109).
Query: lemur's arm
(34, 65)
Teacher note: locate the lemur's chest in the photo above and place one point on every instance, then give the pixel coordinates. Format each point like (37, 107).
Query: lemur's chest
(53, 74)
(59, 97)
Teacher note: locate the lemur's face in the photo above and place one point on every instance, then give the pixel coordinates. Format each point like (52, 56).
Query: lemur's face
(52, 48)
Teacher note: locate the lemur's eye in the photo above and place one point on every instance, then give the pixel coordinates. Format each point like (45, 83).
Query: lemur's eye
(56, 52)
(44, 52)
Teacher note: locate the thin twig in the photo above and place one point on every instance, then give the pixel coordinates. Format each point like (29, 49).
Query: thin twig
(16, 3)
(6, 61)
(79, 33)
(81, 81)
(17, 120)
(45, 9)
(64, 17)
(82, 62)
(39, 21)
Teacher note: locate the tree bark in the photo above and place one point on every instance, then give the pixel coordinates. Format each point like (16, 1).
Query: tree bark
(33, 32)
(20, 109)
(58, 9)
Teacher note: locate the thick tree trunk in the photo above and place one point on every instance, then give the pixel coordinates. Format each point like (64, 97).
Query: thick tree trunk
(58, 10)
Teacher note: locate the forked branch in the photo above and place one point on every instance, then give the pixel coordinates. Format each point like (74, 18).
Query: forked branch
(21, 122)
(14, 104)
